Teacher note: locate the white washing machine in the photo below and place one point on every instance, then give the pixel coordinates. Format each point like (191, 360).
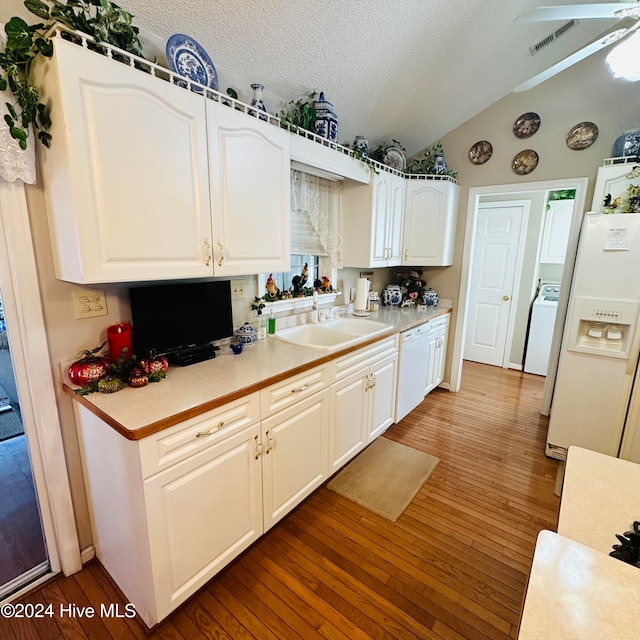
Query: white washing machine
(543, 317)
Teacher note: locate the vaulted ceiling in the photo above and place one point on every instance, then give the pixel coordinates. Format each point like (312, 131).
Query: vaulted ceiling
(410, 70)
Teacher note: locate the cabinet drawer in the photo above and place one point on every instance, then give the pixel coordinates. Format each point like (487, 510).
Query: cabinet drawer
(358, 360)
(439, 323)
(283, 394)
(173, 445)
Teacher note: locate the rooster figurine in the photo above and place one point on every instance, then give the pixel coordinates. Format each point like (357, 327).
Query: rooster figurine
(325, 286)
(272, 287)
(304, 276)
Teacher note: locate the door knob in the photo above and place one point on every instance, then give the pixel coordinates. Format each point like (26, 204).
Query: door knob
(505, 298)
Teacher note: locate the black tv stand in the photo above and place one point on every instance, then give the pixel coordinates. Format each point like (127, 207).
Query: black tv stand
(192, 354)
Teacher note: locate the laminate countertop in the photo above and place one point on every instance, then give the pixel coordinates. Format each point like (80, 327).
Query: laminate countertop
(576, 590)
(192, 390)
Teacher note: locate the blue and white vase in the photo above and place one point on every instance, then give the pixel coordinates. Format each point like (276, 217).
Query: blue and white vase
(430, 298)
(361, 144)
(628, 144)
(392, 295)
(439, 165)
(326, 119)
(257, 100)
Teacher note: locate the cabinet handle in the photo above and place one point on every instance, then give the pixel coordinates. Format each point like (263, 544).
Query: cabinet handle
(269, 442)
(211, 431)
(258, 447)
(221, 249)
(406, 254)
(207, 251)
(373, 380)
(300, 389)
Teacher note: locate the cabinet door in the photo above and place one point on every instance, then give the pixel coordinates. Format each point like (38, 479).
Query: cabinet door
(432, 355)
(250, 198)
(201, 514)
(294, 455)
(430, 223)
(555, 233)
(395, 220)
(382, 396)
(348, 427)
(126, 176)
(380, 213)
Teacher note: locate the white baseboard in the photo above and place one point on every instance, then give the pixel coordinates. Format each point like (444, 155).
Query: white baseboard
(87, 554)
(517, 367)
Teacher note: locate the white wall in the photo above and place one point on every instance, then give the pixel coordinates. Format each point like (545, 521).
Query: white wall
(585, 92)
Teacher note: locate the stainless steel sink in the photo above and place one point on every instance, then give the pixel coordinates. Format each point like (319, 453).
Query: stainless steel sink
(332, 334)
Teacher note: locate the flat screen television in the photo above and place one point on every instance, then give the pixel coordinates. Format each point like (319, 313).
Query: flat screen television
(177, 317)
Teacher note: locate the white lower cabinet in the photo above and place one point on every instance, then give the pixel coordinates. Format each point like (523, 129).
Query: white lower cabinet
(169, 511)
(294, 455)
(362, 399)
(438, 332)
(202, 513)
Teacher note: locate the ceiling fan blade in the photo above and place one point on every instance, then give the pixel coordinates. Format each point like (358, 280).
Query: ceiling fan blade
(574, 58)
(576, 11)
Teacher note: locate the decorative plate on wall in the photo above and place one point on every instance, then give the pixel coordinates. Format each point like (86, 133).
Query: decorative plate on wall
(187, 58)
(480, 152)
(524, 162)
(526, 125)
(582, 136)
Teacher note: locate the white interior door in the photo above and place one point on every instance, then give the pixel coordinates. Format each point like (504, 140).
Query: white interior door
(495, 272)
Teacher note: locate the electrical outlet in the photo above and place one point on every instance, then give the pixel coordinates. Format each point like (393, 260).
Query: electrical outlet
(238, 289)
(89, 303)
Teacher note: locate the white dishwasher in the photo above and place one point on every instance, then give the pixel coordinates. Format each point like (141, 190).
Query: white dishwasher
(412, 369)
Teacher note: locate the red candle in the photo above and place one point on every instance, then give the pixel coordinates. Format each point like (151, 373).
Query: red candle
(119, 336)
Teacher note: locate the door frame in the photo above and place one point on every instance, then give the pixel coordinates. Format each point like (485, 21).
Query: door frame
(28, 344)
(526, 205)
(580, 185)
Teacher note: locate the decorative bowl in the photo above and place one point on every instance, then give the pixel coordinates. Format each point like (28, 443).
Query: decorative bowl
(236, 347)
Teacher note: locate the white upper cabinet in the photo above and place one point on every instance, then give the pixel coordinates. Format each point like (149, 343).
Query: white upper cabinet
(146, 180)
(125, 181)
(373, 217)
(250, 193)
(614, 180)
(555, 232)
(431, 212)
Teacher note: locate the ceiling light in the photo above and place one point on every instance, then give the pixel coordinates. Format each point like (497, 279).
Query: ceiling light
(624, 60)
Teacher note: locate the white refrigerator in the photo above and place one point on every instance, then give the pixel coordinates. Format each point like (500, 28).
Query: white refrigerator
(596, 400)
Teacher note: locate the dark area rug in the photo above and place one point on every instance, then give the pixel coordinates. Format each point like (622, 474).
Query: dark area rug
(10, 425)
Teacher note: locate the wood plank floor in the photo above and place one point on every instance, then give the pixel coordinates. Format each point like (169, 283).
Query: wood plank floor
(453, 566)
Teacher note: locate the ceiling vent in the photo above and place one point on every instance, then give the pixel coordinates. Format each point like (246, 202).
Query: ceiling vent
(552, 36)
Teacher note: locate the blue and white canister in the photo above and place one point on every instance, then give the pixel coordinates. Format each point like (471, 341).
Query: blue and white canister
(326, 119)
(430, 298)
(361, 144)
(392, 295)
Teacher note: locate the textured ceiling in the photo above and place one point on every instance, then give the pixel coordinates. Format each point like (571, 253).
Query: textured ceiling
(410, 70)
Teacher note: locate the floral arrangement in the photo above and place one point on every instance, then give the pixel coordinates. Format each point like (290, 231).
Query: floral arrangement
(412, 285)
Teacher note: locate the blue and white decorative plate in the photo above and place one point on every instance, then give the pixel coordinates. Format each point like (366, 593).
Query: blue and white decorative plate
(188, 59)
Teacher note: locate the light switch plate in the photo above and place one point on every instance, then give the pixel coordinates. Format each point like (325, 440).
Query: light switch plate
(238, 289)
